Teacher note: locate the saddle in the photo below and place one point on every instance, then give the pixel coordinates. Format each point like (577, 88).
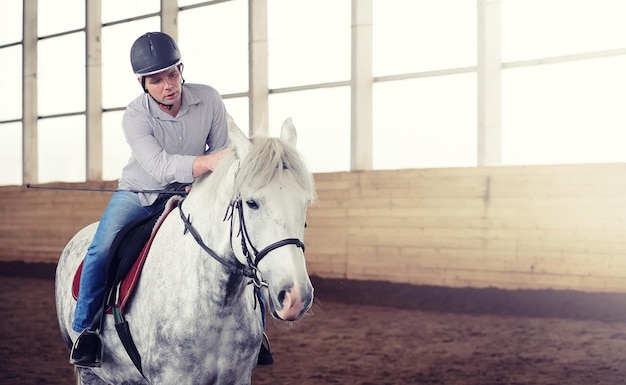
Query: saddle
(127, 256)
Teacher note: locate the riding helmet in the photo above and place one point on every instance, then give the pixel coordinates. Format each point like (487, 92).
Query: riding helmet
(152, 53)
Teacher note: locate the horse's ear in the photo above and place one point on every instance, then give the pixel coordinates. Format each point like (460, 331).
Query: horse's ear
(288, 132)
(240, 142)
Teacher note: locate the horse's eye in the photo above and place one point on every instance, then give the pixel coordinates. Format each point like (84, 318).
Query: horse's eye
(252, 204)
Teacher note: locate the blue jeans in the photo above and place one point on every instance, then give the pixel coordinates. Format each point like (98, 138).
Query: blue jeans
(123, 208)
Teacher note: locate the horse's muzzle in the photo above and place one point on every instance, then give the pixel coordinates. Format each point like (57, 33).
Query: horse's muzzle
(294, 304)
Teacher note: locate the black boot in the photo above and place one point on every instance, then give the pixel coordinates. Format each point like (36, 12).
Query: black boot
(87, 350)
(265, 355)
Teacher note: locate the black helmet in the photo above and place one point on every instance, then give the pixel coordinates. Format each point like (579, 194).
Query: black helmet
(152, 53)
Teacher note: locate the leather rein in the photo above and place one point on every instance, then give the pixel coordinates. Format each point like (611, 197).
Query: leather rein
(235, 267)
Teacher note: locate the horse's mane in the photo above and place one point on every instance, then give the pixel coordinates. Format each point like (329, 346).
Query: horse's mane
(267, 160)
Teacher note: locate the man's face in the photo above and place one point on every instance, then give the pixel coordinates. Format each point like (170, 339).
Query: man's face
(165, 86)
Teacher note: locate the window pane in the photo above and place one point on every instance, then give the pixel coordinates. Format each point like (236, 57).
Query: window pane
(415, 36)
(60, 16)
(113, 10)
(213, 41)
(11, 154)
(422, 123)
(564, 113)
(61, 74)
(11, 26)
(239, 110)
(62, 154)
(308, 42)
(11, 80)
(322, 119)
(119, 83)
(542, 28)
(115, 150)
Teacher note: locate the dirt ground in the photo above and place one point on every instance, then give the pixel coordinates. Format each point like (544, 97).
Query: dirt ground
(370, 333)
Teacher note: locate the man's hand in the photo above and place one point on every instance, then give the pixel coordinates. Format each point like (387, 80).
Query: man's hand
(206, 163)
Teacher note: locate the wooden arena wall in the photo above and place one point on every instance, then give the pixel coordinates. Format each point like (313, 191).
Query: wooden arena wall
(530, 227)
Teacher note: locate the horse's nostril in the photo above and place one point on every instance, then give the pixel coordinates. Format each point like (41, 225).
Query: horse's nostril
(281, 296)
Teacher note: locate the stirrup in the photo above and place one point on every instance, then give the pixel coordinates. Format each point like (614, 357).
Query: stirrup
(265, 354)
(87, 349)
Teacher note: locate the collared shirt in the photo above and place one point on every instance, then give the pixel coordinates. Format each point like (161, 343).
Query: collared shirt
(164, 147)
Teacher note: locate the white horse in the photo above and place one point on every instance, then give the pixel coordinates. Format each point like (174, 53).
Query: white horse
(194, 317)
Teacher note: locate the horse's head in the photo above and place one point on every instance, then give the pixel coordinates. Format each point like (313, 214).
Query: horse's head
(272, 191)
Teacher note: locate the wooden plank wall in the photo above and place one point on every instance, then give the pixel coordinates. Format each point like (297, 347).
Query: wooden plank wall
(559, 227)
(531, 227)
(36, 224)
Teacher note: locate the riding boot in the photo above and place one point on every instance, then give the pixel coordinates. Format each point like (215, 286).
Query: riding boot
(87, 350)
(265, 355)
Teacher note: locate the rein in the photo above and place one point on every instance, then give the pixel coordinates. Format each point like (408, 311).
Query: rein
(233, 267)
(174, 189)
(250, 271)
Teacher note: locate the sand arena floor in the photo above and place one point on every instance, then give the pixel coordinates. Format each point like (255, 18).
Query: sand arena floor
(376, 333)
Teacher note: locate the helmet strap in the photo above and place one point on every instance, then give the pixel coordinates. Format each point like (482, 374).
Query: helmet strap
(162, 105)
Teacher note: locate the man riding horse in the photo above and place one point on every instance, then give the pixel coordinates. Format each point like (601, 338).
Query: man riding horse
(176, 131)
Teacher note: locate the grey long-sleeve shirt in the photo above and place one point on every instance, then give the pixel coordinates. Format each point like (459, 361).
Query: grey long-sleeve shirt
(163, 147)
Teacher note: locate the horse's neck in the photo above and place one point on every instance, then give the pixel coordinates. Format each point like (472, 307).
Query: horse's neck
(207, 208)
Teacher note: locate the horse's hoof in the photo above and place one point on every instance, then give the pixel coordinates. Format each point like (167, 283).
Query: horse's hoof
(87, 350)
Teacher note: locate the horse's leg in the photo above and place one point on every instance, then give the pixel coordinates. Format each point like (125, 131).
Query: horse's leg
(85, 376)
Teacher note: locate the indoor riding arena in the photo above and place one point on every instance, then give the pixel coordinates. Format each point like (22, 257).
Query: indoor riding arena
(458, 276)
(452, 245)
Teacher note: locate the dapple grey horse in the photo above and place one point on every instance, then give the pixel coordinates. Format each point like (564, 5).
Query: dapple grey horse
(195, 316)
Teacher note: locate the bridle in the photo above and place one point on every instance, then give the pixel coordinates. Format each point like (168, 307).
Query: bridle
(235, 267)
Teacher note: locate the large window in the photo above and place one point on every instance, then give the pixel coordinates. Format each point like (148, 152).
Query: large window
(564, 111)
(308, 42)
(11, 153)
(558, 72)
(424, 120)
(61, 74)
(417, 36)
(62, 149)
(213, 41)
(11, 96)
(322, 118)
(419, 123)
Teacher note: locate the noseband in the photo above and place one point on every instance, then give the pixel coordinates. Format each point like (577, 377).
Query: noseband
(235, 267)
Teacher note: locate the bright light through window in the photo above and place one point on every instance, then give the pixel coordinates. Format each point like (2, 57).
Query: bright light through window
(419, 123)
(11, 95)
(61, 74)
(565, 113)
(322, 119)
(59, 16)
(115, 150)
(213, 41)
(62, 149)
(113, 10)
(416, 36)
(308, 42)
(11, 26)
(534, 29)
(11, 154)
